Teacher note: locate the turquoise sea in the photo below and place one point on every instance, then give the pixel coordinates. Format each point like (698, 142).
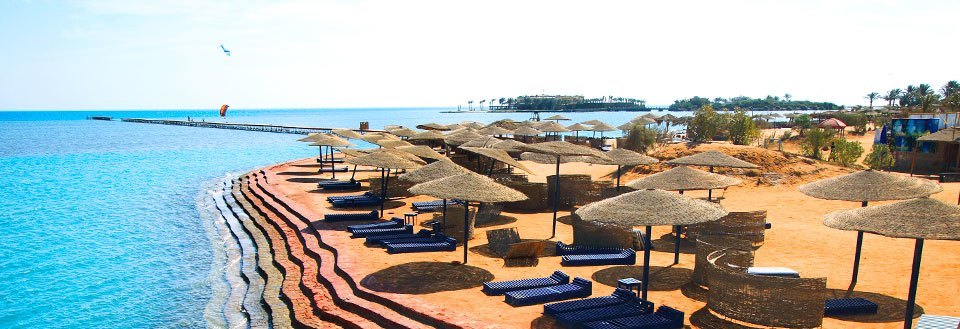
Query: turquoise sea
(100, 226)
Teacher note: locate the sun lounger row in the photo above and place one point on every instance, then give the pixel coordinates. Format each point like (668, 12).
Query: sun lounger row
(566, 249)
(664, 318)
(619, 296)
(447, 244)
(339, 185)
(372, 215)
(621, 305)
(625, 257)
(391, 223)
(379, 239)
(366, 194)
(357, 202)
(431, 206)
(494, 288)
(579, 288)
(361, 233)
(335, 169)
(849, 306)
(335, 160)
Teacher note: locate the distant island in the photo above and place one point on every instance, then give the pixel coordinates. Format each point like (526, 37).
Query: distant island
(578, 103)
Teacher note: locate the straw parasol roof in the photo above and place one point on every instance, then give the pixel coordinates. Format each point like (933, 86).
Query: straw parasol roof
(347, 133)
(578, 127)
(603, 127)
(499, 155)
(469, 187)
(372, 137)
(592, 122)
(553, 127)
(434, 171)
(562, 148)
(651, 208)
(526, 131)
(683, 179)
(833, 123)
(313, 137)
(353, 152)
(455, 126)
(403, 132)
(949, 135)
(922, 218)
(712, 159)
(461, 138)
(626, 126)
(870, 185)
(384, 159)
(557, 117)
(459, 130)
(494, 130)
(422, 151)
(432, 126)
(624, 157)
(392, 143)
(426, 135)
(472, 124)
(331, 142)
(509, 145)
(485, 141)
(642, 120)
(505, 123)
(552, 159)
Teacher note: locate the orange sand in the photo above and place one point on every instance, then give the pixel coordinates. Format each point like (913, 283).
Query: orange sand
(797, 240)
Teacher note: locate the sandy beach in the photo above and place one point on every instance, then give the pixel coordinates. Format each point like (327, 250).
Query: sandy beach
(797, 240)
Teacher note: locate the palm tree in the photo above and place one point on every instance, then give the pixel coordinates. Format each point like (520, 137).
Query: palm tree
(892, 96)
(787, 97)
(470, 107)
(481, 103)
(927, 101)
(872, 96)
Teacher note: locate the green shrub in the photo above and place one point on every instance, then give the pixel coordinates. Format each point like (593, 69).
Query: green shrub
(704, 125)
(640, 139)
(803, 122)
(815, 140)
(880, 157)
(846, 152)
(786, 135)
(741, 128)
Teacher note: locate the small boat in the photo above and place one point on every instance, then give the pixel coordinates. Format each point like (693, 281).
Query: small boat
(103, 118)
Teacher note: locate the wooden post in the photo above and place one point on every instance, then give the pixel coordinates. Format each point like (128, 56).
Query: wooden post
(466, 232)
(646, 262)
(556, 199)
(914, 279)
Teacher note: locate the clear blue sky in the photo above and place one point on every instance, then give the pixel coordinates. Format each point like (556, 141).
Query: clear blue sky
(119, 54)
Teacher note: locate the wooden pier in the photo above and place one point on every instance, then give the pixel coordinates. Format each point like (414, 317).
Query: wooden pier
(300, 130)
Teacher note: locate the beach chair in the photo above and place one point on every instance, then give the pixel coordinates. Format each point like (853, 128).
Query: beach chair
(339, 186)
(849, 306)
(566, 249)
(377, 239)
(578, 288)
(355, 203)
(438, 237)
(575, 319)
(431, 206)
(625, 257)
(366, 194)
(448, 244)
(372, 215)
(937, 322)
(494, 288)
(337, 169)
(664, 318)
(619, 296)
(381, 231)
(394, 222)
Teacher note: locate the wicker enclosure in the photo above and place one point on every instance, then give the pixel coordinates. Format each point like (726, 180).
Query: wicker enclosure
(587, 233)
(536, 196)
(575, 190)
(488, 212)
(397, 188)
(454, 227)
(749, 226)
(708, 244)
(763, 300)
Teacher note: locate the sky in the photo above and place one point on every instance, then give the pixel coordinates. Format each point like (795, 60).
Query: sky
(165, 54)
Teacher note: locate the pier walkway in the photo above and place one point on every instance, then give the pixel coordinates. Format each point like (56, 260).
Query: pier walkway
(300, 130)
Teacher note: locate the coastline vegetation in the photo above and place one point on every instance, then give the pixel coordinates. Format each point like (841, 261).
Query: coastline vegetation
(769, 103)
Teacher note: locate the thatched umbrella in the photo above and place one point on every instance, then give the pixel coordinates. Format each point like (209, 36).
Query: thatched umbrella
(434, 171)
(330, 141)
(353, 153)
(390, 143)
(485, 141)
(557, 117)
(432, 126)
(624, 157)
(494, 131)
(683, 179)
(559, 149)
(422, 151)
(461, 138)
(711, 159)
(472, 124)
(553, 127)
(626, 126)
(468, 187)
(526, 131)
(919, 219)
(551, 159)
(601, 127)
(498, 155)
(649, 208)
(403, 132)
(385, 160)
(508, 145)
(347, 133)
(865, 186)
(429, 135)
(455, 126)
(577, 128)
(372, 138)
(592, 122)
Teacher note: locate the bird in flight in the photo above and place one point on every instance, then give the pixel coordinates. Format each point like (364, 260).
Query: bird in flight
(225, 51)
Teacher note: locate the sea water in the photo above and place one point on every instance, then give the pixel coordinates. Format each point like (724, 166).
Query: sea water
(99, 225)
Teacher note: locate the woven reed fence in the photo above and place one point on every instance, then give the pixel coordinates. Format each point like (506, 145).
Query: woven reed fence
(454, 227)
(586, 233)
(536, 196)
(749, 226)
(763, 300)
(397, 188)
(708, 244)
(575, 190)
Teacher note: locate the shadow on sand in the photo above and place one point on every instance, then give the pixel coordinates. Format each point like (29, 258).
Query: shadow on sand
(661, 278)
(425, 278)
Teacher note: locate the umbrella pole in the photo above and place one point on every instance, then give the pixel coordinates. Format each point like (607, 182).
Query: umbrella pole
(354, 173)
(443, 221)
(466, 221)
(618, 179)
(856, 257)
(383, 191)
(556, 199)
(710, 192)
(333, 165)
(646, 262)
(676, 246)
(914, 278)
(321, 159)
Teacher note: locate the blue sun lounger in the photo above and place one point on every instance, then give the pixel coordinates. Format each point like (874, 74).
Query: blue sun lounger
(566, 249)
(578, 288)
(392, 223)
(431, 206)
(376, 239)
(849, 306)
(664, 318)
(337, 169)
(354, 203)
(413, 239)
(625, 257)
(619, 296)
(335, 160)
(381, 231)
(339, 186)
(372, 215)
(494, 288)
(366, 194)
(575, 319)
(448, 244)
